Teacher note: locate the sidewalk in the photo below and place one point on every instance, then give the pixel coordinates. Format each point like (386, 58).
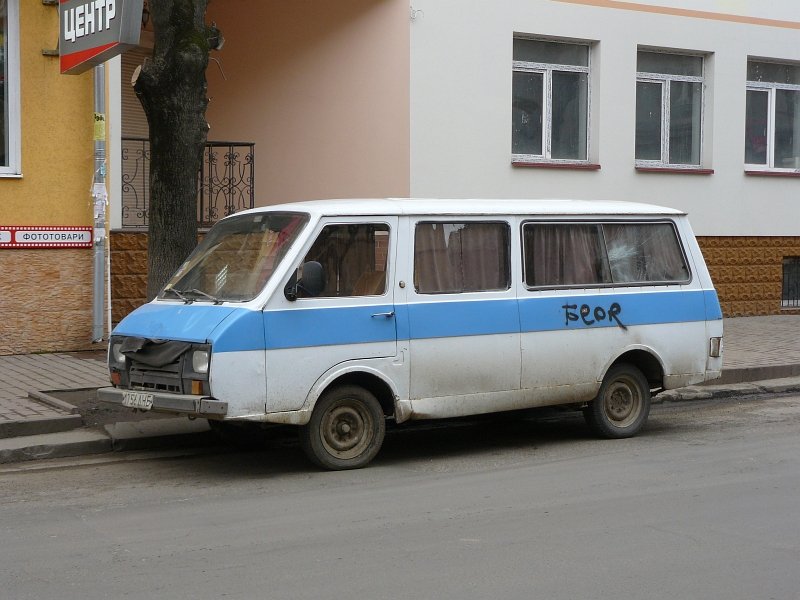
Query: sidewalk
(760, 354)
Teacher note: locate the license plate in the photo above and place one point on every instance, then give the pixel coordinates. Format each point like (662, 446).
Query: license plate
(140, 400)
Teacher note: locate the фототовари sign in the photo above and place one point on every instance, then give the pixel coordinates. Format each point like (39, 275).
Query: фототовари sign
(93, 31)
(45, 237)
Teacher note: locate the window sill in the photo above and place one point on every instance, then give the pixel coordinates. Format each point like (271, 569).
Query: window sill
(555, 165)
(673, 170)
(772, 173)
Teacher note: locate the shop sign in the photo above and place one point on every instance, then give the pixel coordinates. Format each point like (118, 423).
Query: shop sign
(93, 31)
(45, 237)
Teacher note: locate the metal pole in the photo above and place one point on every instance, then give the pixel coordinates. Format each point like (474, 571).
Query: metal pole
(99, 201)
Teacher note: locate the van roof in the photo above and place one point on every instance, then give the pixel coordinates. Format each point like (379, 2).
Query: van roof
(434, 206)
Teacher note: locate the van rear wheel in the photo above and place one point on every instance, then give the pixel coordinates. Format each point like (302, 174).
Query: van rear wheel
(346, 429)
(622, 405)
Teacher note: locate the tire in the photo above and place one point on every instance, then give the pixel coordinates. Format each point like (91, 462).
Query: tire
(346, 429)
(622, 405)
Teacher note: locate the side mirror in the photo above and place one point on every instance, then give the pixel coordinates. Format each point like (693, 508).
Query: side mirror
(312, 282)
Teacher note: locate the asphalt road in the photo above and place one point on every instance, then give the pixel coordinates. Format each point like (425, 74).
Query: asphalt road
(705, 504)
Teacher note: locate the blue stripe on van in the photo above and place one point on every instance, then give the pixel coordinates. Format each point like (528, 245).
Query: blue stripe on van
(713, 309)
(305, 327)
(228, 328)
(181, 322)
(242, 331)
(238, 329)
(581, 311)
(460, 318)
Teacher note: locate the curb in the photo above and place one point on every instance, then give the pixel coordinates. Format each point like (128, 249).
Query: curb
(53, 445)
(708, 392)
(54, 402)
(32, 426)
(158, 434)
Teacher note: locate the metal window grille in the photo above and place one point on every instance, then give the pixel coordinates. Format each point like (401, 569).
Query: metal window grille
(790, 297)
(225, 184)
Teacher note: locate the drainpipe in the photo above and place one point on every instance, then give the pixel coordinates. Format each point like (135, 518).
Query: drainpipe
(99, 201)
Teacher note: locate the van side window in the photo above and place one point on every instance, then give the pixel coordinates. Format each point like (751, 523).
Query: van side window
(644, 252)
(575, 254)
(564, 254)
(455, 257)
(354, 258)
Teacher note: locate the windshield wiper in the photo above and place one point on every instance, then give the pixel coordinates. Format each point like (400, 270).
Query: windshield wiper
(203, 294)
(178, 294)
(182, 294)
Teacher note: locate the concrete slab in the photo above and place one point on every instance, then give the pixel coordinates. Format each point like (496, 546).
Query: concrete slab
(159, 433)
(53, 445)
(781, 386)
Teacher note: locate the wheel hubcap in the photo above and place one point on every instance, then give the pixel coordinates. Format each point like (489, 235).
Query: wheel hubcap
(622, 403)
(346, 430)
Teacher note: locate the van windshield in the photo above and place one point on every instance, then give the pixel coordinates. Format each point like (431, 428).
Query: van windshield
(236, 258)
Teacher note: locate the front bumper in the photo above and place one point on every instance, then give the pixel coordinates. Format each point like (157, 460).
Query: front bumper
(200, 406)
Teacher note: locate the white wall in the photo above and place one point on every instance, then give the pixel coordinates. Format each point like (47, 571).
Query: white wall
(461, 58)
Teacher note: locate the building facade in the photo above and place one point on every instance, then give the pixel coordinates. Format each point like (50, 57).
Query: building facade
(46, 172)
(692, 104)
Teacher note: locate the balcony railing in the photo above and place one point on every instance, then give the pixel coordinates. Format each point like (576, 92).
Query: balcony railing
(225, 183)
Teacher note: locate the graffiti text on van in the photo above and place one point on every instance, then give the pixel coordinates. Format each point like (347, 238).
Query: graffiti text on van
(593, 316)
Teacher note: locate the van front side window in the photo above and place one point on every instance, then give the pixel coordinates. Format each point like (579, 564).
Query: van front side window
(353, 258)
(461, 257)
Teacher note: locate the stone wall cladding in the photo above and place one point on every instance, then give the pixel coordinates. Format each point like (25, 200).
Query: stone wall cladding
(748, 272)
(128, 272)
(46, 300)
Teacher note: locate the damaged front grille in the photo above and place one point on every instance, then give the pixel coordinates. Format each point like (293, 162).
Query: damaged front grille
(158, 365)
(166, 378)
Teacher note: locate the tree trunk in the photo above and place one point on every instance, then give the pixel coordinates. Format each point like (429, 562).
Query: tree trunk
(172, 89)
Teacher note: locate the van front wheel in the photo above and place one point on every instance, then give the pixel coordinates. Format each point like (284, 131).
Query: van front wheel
(623, 404)
(346, 429)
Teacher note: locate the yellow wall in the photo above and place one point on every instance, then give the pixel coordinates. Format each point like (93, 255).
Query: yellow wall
(46, 294)
(56, 130)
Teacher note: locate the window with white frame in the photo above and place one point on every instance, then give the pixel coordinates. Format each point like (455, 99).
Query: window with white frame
(669, 109)
(550, 107)
(772, 118)
(9, 88)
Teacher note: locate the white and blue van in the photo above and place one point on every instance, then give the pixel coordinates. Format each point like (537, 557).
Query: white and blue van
(338, 315)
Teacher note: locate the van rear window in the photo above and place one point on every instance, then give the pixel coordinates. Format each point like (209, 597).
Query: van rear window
(597, 254)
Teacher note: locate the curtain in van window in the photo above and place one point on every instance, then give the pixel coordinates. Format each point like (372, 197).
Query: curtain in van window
(564, 254)
(461, 257)
(348, 255)
(640, 252)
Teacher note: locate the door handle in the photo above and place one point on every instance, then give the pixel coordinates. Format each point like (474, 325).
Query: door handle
(388, 315)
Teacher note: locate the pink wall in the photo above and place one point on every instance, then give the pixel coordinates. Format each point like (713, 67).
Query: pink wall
(322, 88)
